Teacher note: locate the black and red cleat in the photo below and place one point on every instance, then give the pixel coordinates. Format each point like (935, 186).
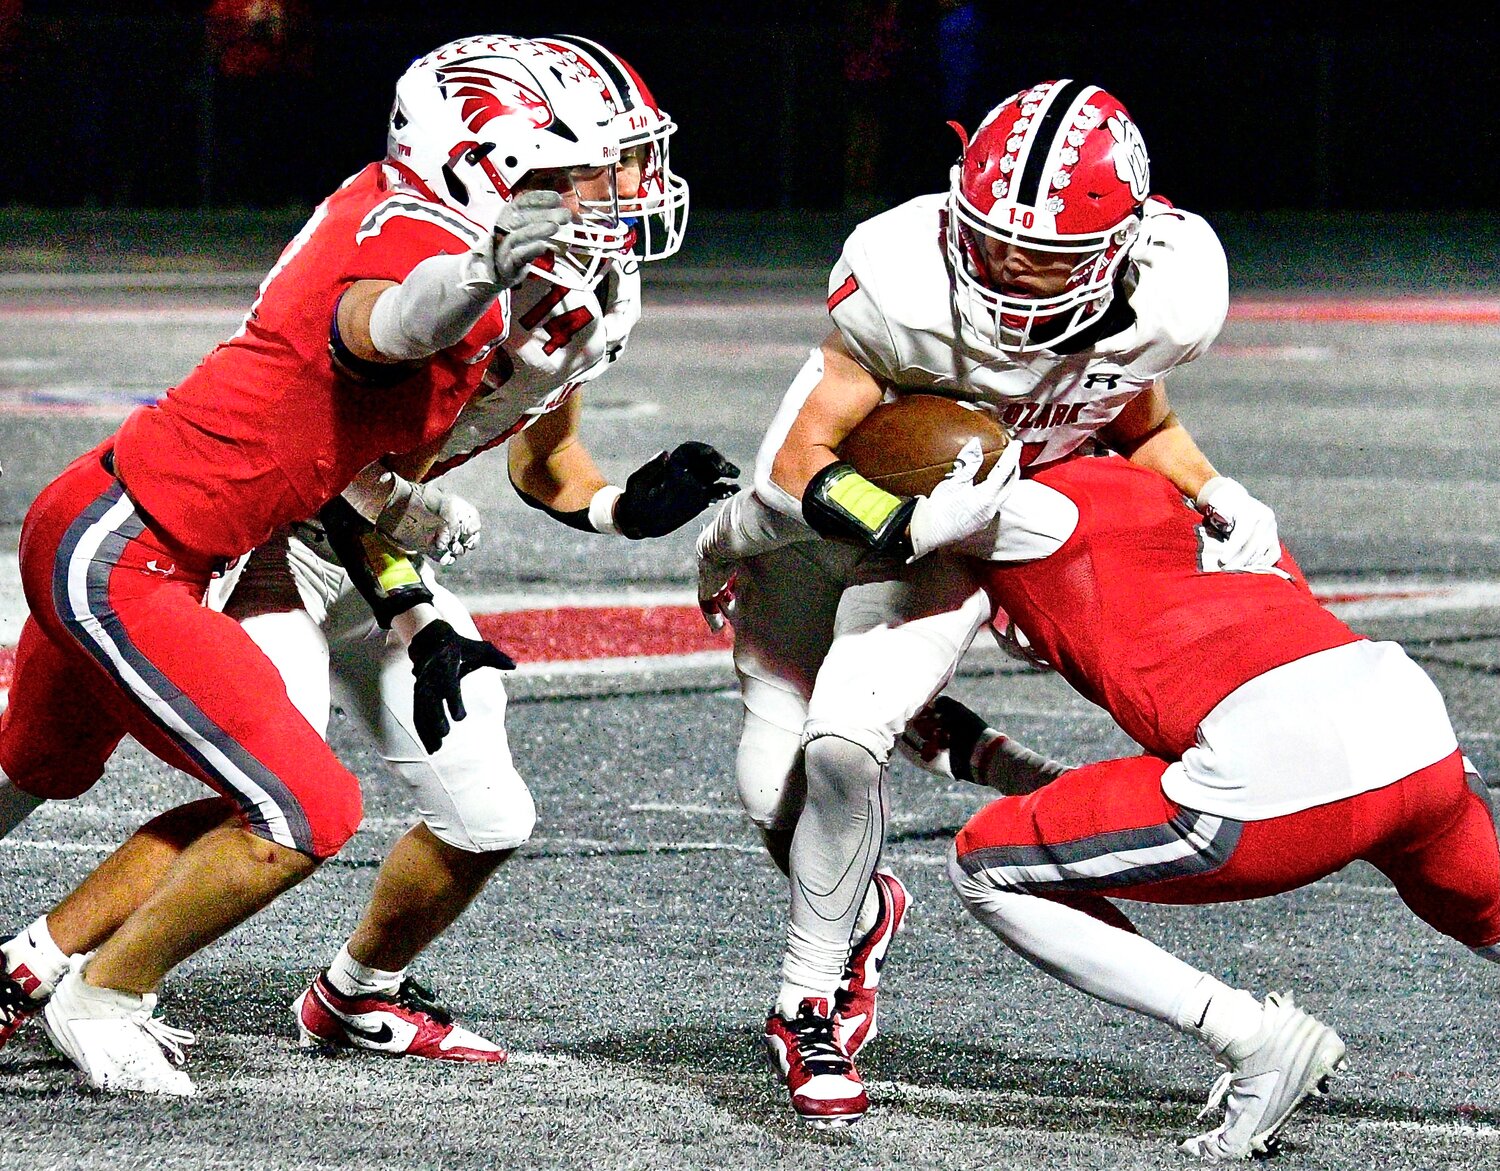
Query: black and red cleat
(404, 1023)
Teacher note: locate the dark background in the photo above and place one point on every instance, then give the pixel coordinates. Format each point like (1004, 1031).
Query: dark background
(1339, 107)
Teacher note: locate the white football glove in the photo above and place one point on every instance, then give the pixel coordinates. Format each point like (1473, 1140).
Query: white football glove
(959, 506)
(423, 518)
(1243, 530)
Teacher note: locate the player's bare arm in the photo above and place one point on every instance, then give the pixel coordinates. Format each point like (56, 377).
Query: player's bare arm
(549, 462)
(1148, 432)
(845, 395)
(552, 470)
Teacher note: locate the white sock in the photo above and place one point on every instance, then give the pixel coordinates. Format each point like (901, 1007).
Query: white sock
(1107, 962)
(1219, 1015)
(44, 962)
(15, 806)
(353, 978)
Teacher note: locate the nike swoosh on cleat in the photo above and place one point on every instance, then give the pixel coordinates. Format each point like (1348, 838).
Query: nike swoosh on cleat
(378, 1036)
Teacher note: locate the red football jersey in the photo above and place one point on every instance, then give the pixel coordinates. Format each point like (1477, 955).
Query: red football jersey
(265, 431)
(1125, 611)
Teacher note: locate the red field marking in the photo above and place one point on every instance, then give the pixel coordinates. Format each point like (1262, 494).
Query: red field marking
(571, 633)
(1396, 310)
(584, 633)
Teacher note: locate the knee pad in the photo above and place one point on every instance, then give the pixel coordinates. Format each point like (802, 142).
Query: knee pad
(769, 774)
(479, 811)
(841, 765)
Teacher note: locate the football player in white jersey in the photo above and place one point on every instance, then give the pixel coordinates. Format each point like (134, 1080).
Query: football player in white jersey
(572, 317)
(1049, 287)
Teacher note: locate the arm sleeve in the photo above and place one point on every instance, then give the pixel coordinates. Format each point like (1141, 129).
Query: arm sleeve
(746, 527)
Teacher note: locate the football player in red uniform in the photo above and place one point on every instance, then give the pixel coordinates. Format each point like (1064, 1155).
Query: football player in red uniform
(368, 337)
(572, 319)
(1279, 747)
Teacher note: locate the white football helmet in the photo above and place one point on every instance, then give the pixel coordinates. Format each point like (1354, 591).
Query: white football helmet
(1059, 168)
(659, 210)
(474, 118)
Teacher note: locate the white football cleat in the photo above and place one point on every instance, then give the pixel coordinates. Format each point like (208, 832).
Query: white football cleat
(114, 1040)
(1269, 1076)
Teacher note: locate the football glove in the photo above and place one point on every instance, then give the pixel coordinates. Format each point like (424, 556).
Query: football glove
(1243, 529)
(667, 491)
(423, 518)
(440, 658)
(525, 230)
(960, 505)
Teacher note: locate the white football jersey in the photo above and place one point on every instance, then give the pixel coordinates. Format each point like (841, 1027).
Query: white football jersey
(560, 338)
(890, 294)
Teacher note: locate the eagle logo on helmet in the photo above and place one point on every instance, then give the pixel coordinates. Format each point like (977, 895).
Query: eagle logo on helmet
(486, 96)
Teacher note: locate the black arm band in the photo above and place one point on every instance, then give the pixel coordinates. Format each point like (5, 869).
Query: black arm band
(384, 576)
(362, 370)
(577, 519)
(839, 502)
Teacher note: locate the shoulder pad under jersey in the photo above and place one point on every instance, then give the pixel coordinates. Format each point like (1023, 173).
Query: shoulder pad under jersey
(890, 265)
(1179, 289)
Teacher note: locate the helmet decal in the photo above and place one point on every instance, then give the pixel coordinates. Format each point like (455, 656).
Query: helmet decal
(1131, 163)
(487, 96)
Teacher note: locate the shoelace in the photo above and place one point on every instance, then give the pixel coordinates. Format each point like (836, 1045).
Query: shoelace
(414, 995)
(1217, 1093)
(174, 1042)
(815, 1042)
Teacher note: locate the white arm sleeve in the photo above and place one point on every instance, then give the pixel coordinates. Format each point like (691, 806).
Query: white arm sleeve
(745, 527)
(440, 300)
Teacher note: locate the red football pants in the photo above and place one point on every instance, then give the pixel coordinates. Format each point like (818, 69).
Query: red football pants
(119, 642)
(1107, 830)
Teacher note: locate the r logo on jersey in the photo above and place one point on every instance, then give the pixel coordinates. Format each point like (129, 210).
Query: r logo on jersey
(1102, 381)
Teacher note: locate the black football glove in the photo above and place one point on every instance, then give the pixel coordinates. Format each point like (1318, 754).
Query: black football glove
(667, 491)
(440, 658)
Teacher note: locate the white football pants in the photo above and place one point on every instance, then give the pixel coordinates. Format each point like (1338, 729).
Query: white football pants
(307, 618)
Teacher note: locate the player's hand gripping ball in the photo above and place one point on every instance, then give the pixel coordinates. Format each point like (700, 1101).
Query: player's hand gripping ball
(908, 446)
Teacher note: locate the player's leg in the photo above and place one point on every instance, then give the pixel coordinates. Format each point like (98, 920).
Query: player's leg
(56, 733)
(475, 810)
(97, 573)
(898, 639)
(1034, 869)
(1442, 855)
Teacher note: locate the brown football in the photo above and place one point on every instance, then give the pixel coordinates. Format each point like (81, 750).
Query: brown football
(908, 445)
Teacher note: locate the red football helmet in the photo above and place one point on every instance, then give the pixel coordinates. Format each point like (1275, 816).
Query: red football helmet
(1057, 168)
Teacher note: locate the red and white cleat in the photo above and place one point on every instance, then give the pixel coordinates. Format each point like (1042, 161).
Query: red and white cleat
(23, 994)
(854, 1018)
(404, 1023)
(826, 1089)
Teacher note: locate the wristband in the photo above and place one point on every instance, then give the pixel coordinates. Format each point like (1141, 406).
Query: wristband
(602, 509)
(839, 502)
